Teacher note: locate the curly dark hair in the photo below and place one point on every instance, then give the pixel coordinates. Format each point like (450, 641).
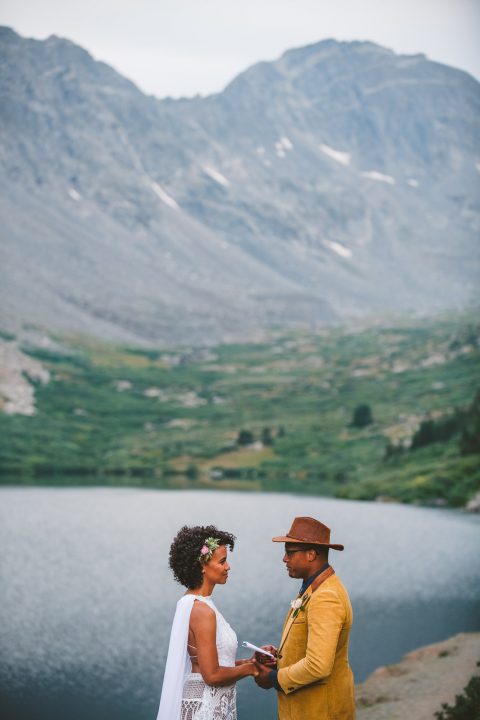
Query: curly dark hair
(185, 550)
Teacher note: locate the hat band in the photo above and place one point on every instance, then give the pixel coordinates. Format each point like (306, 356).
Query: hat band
(308, 540)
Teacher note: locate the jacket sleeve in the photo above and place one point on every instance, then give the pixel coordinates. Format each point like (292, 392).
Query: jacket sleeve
(325, 617)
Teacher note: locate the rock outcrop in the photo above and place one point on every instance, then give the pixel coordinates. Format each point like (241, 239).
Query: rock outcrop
(417, 686)
(17, 371)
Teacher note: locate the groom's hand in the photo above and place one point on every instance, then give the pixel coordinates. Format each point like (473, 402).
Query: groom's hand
(263, 677)
(266, 659)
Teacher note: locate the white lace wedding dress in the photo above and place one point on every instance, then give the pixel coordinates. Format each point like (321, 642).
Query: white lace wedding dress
(185, 696)
(204, 702)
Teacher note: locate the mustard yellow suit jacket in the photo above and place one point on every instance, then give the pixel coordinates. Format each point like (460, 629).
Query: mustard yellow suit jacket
(313, 668)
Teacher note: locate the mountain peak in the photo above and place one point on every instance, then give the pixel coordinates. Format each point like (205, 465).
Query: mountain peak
(338, 46)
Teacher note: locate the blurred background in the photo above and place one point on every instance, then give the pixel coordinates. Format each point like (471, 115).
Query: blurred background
(239, 280)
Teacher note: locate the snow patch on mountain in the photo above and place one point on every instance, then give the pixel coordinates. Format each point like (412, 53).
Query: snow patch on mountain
(165, 197)
(282, 146)
(74, 194)
(341, 157)
(216, 175)
(339, 249)
(380, 177)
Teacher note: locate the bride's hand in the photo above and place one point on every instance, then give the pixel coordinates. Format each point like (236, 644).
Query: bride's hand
(263, 678)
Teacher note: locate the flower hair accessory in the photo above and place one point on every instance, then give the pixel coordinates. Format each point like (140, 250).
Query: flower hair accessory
(208, 548)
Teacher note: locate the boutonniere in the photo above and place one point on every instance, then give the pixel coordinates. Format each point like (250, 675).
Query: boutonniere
(298, 605)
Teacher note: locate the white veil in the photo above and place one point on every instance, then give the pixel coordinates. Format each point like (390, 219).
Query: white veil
(178, 662)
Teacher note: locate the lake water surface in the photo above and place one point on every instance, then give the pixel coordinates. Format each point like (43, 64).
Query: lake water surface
(87, 598)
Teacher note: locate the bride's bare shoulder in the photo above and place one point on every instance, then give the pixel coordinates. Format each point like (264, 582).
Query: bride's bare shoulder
(201, 611)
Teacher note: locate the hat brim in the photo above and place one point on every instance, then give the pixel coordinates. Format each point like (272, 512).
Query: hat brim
(286, 539)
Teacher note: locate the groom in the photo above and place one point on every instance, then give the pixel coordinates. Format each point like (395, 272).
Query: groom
(312, 674)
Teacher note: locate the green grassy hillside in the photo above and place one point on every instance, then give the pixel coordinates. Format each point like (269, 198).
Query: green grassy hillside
(273, 416)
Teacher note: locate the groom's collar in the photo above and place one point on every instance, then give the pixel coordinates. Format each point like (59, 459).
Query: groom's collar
(306, 583)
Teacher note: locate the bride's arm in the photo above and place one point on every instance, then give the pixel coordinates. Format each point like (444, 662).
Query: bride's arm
(204, 626)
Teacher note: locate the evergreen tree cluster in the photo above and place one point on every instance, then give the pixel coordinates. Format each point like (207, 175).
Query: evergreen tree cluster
(467, 705)
(362, 416)
(470, 438)
(267, 436)
(463, 422)
(441, 430)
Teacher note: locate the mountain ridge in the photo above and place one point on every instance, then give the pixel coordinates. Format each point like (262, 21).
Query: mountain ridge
(306, 195)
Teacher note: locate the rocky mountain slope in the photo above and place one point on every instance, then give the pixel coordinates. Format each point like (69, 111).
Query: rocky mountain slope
(339, 181)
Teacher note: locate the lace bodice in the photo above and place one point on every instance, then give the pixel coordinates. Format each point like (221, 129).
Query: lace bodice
(201, 701)
(227, 643)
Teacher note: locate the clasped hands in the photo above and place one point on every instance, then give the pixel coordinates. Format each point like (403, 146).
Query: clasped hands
(265, 664)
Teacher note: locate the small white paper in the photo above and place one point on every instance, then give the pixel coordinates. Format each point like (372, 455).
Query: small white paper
(248, 645)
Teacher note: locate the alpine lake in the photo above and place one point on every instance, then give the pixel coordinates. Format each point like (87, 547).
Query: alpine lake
(88, 598)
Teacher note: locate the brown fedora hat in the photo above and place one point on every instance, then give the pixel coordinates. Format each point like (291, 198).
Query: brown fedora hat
(308, 531)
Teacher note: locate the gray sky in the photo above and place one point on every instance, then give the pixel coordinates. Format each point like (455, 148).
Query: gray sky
(184, 47)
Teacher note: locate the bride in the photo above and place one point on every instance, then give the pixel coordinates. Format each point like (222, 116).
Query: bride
(201, 669)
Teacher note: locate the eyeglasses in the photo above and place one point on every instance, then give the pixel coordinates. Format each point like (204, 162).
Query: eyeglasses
(289, 553)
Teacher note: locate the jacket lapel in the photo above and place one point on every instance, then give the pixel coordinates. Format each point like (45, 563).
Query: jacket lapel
(290, 619)
(306, 597)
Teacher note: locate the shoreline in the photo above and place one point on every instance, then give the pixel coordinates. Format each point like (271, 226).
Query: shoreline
(472, 507)
(425, 678)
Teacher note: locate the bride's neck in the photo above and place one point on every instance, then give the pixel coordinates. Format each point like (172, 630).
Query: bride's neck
(205, 589)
